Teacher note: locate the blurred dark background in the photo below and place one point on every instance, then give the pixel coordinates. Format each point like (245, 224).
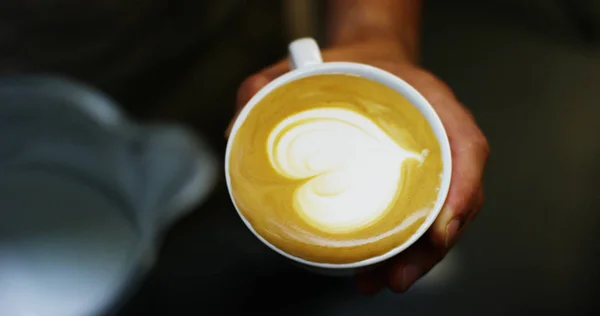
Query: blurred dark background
(529, 71)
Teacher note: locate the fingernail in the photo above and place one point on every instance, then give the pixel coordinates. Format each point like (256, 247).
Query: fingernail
(410, 274)
(452, 230)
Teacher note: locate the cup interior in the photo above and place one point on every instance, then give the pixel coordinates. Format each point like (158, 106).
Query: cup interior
(381, 76)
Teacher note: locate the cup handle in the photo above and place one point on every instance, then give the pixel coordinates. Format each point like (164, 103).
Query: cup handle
(304, 52)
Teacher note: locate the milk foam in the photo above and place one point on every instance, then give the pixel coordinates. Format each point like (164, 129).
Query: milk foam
(348, 168)
(341, 243)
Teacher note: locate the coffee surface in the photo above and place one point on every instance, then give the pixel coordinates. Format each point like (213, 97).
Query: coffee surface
(335, 168)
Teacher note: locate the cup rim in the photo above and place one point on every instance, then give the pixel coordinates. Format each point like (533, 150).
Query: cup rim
(381, 76)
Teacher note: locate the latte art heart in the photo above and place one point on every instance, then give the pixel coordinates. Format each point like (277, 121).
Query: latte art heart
(348, 169)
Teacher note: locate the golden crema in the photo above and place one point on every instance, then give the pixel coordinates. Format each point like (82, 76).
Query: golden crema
(335, 168)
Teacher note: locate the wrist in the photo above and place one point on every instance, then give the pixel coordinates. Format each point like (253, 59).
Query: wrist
(394, 22)
(377, 45)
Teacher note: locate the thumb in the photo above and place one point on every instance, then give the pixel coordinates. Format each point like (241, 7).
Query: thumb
(251, 85)
(254, 83)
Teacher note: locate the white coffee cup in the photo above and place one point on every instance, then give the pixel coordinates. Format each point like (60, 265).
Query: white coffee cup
(306, 61)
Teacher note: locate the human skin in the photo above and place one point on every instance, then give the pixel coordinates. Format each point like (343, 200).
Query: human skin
(385, 34)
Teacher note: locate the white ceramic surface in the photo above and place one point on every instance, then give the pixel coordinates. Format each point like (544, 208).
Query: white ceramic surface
(305, 58)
